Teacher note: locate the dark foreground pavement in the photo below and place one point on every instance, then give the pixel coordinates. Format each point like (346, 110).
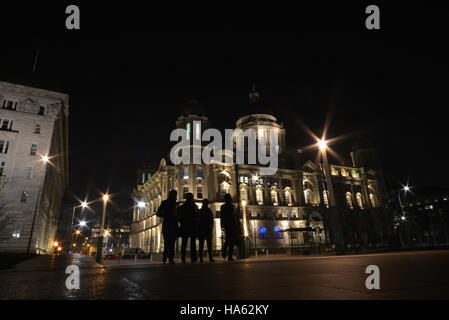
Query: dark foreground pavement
(403, 275)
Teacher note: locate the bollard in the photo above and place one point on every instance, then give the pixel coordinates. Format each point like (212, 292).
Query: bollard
(267, 252)
(135, 258)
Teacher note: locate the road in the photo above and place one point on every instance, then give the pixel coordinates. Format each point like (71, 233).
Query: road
(403, 275)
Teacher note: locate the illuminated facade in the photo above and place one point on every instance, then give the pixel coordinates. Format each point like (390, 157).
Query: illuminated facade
(33, 124)
(292, 200)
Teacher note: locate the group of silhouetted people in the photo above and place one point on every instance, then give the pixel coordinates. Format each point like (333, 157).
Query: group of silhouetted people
(189, 223)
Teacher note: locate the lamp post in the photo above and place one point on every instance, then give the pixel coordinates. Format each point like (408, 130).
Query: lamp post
(333, 213)
(45, 160)
(403, 217)
(84, 206)
(99, 256)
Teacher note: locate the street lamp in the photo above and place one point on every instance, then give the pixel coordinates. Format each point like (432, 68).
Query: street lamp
(83, 205)
(99, 256)
(45, 159)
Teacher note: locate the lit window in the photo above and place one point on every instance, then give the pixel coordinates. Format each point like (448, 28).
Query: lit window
(259, 196)
(199, 192)
(348, 197)
(186, 173)
(355, 173)
(288, 197)
(326, 198)
(24, 196)
(428, 207)
(4, 146)
(334, 171)
(37, 129)
(199, 173)
(185, 191)
(243, 193)
(274, 197)
(308, 196)
(344, 172)
(33, 150)
(359, 200)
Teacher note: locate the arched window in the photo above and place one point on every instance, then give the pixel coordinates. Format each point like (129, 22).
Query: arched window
(308, 196)
(224, 188)
(326, 198)
(348, 196)
(243, 192)
(259, 195)
(308, 191)
(274, 196)
(278, 232)
(372, 197)
(262, 232)
(288, 196)
(359, 200)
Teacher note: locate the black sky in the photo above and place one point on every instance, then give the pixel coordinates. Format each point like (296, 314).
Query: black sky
(126, 84)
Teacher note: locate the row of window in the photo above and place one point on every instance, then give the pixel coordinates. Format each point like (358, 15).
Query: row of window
(6, 124)
(199, 173)
(4, 147)
(344, 172)
(28, 170)
(10, 104)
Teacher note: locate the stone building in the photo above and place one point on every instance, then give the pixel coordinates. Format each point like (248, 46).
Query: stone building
(33, 129)
(287, 209)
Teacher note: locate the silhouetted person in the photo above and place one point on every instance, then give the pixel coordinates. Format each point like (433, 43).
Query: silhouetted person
(188, 218)
(230, 222)
(206, 225)
(168, 210)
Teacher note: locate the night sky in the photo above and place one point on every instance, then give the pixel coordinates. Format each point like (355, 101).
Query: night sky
(128, 72)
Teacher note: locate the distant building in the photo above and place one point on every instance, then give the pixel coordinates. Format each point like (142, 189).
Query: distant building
(33, 125)
(293, 200)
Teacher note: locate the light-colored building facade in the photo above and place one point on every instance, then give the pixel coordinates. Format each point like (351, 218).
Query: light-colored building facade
(292, 199)
(33, 126)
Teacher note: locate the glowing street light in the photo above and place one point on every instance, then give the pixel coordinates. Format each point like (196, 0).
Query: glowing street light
(45, 159)
(55, 243)
(84, 204)
(99, 257)
(406, 188)
(83, 223)
(322, 144)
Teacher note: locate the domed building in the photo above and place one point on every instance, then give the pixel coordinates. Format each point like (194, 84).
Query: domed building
(289, 209)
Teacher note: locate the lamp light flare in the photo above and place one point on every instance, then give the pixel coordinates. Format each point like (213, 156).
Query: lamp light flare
(84, 204)
(406, 188)
(105, 197)
(45, 159)
(322, 144)
(83, 223)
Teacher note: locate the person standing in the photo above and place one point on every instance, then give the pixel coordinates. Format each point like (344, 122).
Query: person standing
(205, 230)
(168, 210)
(230, 222)
(188, 218)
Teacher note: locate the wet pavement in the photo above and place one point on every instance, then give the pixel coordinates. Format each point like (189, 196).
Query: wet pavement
(403, 275)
